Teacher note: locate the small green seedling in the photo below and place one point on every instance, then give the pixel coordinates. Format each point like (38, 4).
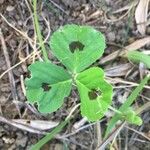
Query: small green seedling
(127, 113)
(76, 47)
(49, 84)
(137, 57)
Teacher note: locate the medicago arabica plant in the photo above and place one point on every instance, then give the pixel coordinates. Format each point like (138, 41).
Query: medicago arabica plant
(76, 47)
(49, 84)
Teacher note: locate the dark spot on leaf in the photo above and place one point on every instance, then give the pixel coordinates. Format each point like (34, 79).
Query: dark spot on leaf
(46, 86)
(94, 93)
(76, 45)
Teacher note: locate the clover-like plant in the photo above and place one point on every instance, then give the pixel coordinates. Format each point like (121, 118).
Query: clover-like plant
(77, 47)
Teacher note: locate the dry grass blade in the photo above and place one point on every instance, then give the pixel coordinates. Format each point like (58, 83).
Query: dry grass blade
(119, 70)
(134, 46)
(111, 136)
(57, 6)
(24, 34)
(23, 60)
(98, 133)
(37, 124)
(132, 4)
(21, 126)
(80, 123)
(127, 7)
(31, 42)
(141, 15)
(10, 74)
(139, 133)
(119, 80)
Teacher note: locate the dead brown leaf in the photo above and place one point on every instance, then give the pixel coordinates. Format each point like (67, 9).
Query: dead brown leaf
(119, 70)
(134, 46)
(141, 14)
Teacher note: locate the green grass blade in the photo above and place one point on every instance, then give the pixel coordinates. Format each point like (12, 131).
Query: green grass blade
(38, 31)
(136, 56)
(49, 136)
(134, 94)
(126, 105)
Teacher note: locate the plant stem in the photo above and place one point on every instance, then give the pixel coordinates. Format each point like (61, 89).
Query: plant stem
(38, 31)
(49, 136)
(115, 110)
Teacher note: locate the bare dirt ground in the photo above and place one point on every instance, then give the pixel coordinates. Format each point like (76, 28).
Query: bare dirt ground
(115, 19)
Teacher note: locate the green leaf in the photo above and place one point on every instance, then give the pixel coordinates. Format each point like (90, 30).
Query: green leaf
(48, 86)
(139, 57)
(77, 47)
(126, 105)
(130, 116)
(95, 93)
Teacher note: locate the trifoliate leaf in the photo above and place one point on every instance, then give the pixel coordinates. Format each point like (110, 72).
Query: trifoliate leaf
(48, 85)
(95, 93)
(77, 47)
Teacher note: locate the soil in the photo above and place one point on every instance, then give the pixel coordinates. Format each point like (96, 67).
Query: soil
(119, 32)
